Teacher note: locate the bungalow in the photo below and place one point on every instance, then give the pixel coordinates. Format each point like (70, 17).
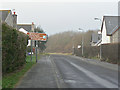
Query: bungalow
(25, 28)
(9, 18)
(110, 29)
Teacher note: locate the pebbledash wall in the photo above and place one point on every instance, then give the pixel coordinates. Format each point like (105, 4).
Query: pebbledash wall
(109, 52)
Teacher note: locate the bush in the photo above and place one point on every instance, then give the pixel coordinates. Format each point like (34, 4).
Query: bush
(13, 48)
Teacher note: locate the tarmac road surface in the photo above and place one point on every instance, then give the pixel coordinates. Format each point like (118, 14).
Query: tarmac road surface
(64, 71)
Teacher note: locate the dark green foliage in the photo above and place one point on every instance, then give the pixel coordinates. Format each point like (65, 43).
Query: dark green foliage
(29, 49)
(39, 30)
(9, 81)
(13, 49)
(41, 45)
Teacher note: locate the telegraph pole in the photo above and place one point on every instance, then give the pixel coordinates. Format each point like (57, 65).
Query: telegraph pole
(31, 50)
(36, 49)
(82, 42)
(101, 42)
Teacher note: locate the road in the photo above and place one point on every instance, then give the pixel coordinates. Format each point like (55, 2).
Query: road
(62, 71)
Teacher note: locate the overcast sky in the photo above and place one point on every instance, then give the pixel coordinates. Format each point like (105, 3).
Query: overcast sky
(56, 17)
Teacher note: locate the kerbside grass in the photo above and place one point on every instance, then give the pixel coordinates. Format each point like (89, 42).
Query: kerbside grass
(10, 80)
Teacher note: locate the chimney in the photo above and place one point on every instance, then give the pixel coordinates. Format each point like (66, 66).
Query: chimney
(32, 27)
(14, 20)
(14, 13)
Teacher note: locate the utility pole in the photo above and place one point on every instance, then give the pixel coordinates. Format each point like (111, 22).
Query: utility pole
(32, 40)
(82, 42)
(31, 50)
(101, 41)
(73, 49)
(36, 49)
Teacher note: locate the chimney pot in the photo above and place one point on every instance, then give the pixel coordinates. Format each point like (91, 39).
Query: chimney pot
(14, 13)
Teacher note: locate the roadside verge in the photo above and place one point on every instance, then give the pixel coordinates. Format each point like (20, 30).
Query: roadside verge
(10, 80)
(98, 62)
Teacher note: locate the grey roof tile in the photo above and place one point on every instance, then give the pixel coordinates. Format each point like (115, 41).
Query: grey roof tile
(27, 27)
(4, 14)
(96, 37)
(112, 23)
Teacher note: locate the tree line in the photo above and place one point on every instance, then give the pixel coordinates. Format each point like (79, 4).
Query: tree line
(64, 42)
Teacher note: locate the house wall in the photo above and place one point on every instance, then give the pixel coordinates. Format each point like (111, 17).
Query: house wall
(115, 37)
(105, 38)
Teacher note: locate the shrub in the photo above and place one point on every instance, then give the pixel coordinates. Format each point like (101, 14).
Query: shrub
(13, 48)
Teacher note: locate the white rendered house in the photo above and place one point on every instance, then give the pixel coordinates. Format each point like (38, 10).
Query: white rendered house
(110, 26)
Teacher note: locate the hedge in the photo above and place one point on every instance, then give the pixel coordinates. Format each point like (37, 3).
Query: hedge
(88, 52)
(109, 52)
(13, 49)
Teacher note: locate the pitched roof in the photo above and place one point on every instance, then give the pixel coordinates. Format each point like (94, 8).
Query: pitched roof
(112, 24)
(96, 37)
(4, 14)
(27, 27)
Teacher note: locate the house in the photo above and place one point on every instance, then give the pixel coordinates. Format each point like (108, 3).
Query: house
(6, 16)
(96, 38)
(25, 28)
(110, 29)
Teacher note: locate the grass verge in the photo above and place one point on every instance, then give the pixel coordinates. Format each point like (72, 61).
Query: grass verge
(95, 58)
(61, 53)
(10, 80)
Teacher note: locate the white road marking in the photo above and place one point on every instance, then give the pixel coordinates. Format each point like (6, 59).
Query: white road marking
(101, 81)
(70, 81)
(55, 73)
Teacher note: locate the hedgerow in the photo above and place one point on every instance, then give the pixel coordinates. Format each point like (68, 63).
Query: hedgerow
(13, 49)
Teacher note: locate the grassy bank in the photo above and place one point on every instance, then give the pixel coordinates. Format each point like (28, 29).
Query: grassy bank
(61, 53)
(10, 80)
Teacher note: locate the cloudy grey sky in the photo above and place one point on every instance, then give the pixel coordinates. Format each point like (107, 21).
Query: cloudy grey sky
(55, 17)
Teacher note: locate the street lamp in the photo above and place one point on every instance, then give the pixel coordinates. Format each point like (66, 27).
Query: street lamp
(82, 41)
(100, 44)
(97, 19)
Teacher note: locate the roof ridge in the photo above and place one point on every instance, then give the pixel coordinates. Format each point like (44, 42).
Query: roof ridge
(24, 24)
(5, 10)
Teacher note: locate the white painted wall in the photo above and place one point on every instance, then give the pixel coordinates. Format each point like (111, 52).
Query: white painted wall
(29, 43)
(105, 38)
